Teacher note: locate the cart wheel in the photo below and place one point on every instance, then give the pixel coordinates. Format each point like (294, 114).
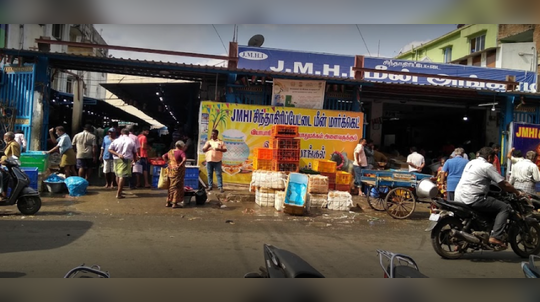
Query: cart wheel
(377, 203)
(400, 203)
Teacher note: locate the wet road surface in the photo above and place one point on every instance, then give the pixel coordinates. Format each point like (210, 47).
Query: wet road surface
(140, 237)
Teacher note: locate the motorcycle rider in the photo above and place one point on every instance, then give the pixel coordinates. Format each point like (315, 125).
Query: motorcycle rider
(473, 187)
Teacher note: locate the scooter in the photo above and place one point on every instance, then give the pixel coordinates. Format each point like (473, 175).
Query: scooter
(399, 265)
(530, 269)
(27, 199)
(283, 264)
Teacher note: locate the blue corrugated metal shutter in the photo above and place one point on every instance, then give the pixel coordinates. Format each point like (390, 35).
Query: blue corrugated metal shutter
(17, 91)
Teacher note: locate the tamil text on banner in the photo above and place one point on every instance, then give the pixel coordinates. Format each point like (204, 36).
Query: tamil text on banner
(244, 128)
(298, 93)
(341, 66)
(526, 137)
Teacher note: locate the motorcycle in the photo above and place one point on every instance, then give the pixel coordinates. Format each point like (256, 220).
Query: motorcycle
(27, 199)
(399, 265)
(530, 269)
(283, 264)
(460, 229)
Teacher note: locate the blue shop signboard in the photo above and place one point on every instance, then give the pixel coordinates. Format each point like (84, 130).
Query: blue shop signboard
(341, 66)
(526, 137)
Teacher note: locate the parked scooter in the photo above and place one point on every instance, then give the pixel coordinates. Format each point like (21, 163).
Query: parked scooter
(399, 265)
(530, 269)
(27, 199)
(284, 264)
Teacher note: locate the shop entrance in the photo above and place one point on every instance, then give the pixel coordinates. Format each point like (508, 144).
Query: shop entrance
(431, 127)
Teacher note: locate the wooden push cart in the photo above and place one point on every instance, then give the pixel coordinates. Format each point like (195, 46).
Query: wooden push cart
(393, 191)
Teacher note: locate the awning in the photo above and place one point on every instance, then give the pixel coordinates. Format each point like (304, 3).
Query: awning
(114, 110)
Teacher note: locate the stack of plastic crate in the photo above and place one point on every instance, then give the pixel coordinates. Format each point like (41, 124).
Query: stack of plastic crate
(286, 148)
(326, 168)
(343, 181)
(262, 159)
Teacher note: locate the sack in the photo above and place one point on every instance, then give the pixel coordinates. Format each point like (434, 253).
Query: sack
(163, 182)
(137, 168)
(200, 196)
(76, 185)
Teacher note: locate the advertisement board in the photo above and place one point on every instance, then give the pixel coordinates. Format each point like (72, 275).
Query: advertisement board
(298, 93)
(526, 137)
(341, 66)
(245, 127)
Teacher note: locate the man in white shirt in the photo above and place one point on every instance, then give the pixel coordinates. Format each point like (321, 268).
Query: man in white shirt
(514, 155)
(360, 162)
(124, 154)
(474, 185)
(525, 174)
(415, 161)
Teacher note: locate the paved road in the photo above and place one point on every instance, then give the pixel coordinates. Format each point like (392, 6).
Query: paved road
(139, 237)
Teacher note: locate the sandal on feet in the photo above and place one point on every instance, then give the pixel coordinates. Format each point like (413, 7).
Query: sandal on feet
(168, 204)
(176, 206)
(120, 196)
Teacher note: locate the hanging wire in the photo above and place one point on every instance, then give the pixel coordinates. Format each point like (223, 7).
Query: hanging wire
(359, 31)
(220, 38)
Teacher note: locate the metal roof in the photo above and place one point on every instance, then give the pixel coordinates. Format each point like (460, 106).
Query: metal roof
(191, 72)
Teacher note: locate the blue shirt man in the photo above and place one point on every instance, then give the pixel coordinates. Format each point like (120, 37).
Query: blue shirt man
(454, 167)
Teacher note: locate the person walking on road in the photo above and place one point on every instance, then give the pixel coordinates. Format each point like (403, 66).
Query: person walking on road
(176, 170)
(214, 149)
(452, 171)
(360, 163)
(107, 158)
(85, 144)
(64, 146)
(525, 174)
(124, 153)
(143, 156)
(415, 161)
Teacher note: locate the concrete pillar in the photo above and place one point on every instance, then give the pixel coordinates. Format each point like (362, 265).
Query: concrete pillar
(42, 85)
(78, 96)
(376, 126)
(36, 130)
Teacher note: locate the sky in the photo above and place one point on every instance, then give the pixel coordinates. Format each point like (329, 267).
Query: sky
(381, 40)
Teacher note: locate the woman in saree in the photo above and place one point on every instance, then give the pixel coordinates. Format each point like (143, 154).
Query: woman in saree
(176, 171)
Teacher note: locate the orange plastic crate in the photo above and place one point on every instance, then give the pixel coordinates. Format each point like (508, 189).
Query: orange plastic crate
(286, 143)
(331, 177)
(343, 178)
(286, 155)
(322, 165)
(262, 164)
(285, 166)
(284, 131)
(263, 153)
(344, 188)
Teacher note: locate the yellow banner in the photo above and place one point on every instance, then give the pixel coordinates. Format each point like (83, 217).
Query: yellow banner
(245, 127)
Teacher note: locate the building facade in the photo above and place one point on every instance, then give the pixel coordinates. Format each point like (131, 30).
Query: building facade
(484, 45)
(23, 36)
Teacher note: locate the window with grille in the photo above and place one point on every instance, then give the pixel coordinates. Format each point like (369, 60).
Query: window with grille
(448, 54)
(58, 31)
(478, 43)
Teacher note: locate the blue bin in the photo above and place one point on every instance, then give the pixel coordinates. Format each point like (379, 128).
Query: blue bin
(193, 183)
(192, 173)
(155, 180)
(296, 192)
(33, 174)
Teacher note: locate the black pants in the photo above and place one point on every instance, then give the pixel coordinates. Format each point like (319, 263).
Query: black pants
(494, 206)
(450, 195)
